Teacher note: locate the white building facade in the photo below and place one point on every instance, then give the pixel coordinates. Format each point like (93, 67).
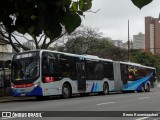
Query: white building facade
(139, 41)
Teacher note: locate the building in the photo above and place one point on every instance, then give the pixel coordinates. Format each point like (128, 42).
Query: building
(117, 43)
(125, 45)
(139, 41)
(5, 48)
(30, 44)
(152, 35)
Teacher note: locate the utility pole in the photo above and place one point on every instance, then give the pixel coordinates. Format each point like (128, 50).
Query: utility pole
(128, 44)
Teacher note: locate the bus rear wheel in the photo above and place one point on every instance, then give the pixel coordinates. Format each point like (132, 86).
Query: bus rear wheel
(105, 89)
(142, 88)
(148, 88)
(66, 91)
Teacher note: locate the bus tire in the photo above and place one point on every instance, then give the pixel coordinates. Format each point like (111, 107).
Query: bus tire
(105, 89)
(66, 91)
(142, 88)
(147, 87)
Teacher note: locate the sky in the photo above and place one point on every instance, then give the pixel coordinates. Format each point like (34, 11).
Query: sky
(112, 18)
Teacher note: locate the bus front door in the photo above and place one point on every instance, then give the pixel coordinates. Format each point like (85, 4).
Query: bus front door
(81, 77)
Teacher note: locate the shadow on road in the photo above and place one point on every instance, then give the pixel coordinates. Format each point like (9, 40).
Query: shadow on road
(33, 99)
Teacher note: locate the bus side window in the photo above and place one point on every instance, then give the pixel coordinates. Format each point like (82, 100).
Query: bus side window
(44, 66)
(108, 70)
(67, 66)
(47, 66)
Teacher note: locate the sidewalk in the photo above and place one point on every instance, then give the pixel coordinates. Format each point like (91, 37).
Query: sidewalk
(11, 99)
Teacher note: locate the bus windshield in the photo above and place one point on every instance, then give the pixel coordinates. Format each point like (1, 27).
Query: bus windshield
(25, 66)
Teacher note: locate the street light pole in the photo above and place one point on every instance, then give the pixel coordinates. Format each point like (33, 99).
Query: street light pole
(128, 44)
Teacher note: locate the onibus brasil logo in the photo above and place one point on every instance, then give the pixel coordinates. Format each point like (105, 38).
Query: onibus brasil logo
(20, 114)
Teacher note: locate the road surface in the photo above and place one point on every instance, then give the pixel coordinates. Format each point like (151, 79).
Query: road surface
(148, 101)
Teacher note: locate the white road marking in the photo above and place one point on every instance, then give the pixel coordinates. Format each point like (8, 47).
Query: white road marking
(143, 118)
(144, 98)
(105, 103)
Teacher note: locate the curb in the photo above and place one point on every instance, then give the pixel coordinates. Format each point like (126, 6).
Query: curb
(12, 99)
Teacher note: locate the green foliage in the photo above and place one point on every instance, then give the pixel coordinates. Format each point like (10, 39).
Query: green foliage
(45, 19)
(85, 5)
(141, 3)
(117, 54)
(146, 58)
(87, 40)
(71, 21)
(42, 16)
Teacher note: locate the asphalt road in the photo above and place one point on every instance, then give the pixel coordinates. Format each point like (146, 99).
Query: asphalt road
(128, 102)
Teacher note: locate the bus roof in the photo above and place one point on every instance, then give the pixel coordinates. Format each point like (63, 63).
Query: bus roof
(136, 64)
(92, 57)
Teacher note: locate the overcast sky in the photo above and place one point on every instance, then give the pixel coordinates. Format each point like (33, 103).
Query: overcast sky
(112, 18)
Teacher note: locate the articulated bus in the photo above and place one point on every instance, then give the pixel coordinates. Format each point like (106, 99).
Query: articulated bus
(44, 73)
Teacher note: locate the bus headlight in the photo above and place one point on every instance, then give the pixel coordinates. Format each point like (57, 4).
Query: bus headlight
(35, 85)
(38, 84)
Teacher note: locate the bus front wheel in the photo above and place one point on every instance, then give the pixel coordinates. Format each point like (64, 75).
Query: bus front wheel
(66, 91)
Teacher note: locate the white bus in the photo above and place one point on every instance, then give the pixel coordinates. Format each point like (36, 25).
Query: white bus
(44, 73)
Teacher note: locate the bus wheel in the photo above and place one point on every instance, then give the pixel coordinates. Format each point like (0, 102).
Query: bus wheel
(142, 88)
(148, 88)
(66, 91)
(105, 89)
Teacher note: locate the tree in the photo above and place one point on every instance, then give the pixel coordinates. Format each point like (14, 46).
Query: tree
(116, 53)
(82, 41)
(87, 40)
(40, 19)
(43, 20)
(146, 58)
(141, 3)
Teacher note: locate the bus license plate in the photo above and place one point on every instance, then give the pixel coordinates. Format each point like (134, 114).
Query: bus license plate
(20, 90)
(22, 94)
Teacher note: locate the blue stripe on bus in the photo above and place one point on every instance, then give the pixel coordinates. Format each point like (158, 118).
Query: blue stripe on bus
(34, 92)
(136, 85)
(92, 89)
(95, 87)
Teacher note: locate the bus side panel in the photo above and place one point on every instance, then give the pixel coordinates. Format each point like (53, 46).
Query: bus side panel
(55, 88)
(51, 88)
(118, 83)
(136, 85)
(97, 85)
